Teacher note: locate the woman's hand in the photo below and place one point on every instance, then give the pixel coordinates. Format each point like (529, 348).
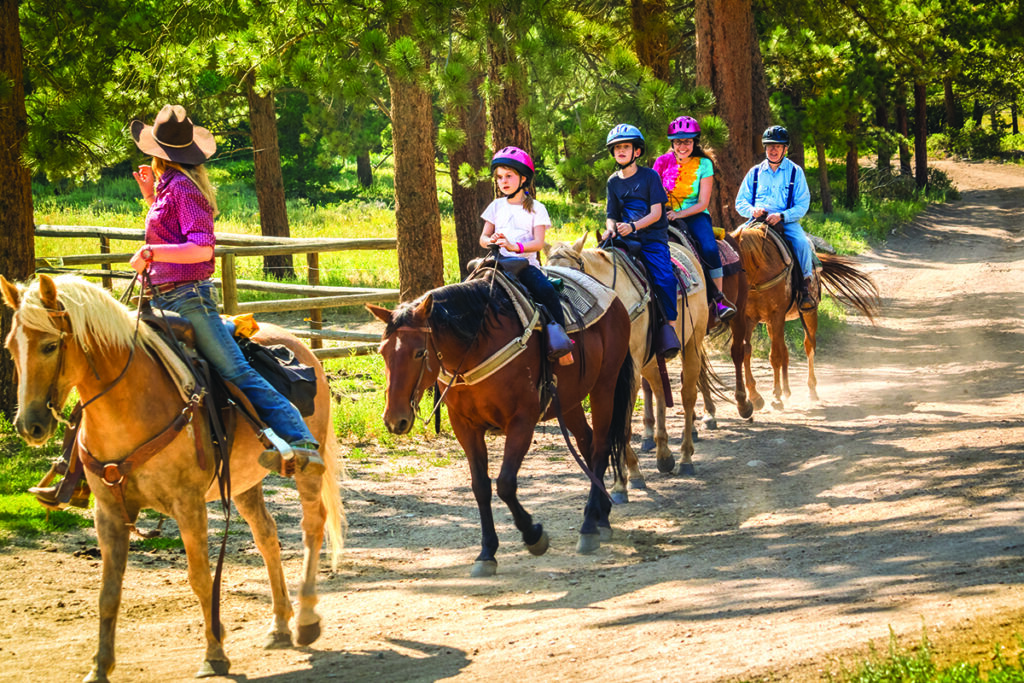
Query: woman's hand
(672, 215)
(142, 258)
(144, 177)
(502, 241)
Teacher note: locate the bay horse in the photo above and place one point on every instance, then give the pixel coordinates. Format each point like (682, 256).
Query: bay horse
(691, 323)
(773, 300)
(458, 329)
(70, 333)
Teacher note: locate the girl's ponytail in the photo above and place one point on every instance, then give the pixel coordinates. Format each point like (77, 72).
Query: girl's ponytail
(528, 192)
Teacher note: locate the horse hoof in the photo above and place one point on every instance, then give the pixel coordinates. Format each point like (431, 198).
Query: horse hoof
(277, 641)
(758, 403)
(605, 533)
(620, 497)
(213, 667)
(96, 677)
(638, 484)
(695, 437)
(307, 633)
(709, 422)
(686, 469)
(746, 410)
(777, 405)
(814, 396)
(482, 568)
(537, 549)
(666, 465)
(647, 445)
(588, 543)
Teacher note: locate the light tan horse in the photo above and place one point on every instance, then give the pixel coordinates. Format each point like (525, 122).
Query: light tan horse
(691, 325)
(69, 333)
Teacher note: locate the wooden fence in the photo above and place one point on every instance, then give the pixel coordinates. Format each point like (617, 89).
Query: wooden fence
(312, 297)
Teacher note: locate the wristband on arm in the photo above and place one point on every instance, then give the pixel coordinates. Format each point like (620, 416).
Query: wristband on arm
(632, 225)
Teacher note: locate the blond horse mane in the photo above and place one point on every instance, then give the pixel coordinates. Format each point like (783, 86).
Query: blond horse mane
(751, 239)
(96, 318)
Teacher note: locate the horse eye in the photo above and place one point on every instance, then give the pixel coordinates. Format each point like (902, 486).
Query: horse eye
(51, 348)
(420, 353)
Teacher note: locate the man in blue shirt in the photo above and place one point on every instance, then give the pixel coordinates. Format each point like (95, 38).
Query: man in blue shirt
(775, 191)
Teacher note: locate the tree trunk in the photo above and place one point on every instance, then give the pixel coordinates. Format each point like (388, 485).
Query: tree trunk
(722, 68)
(469, 202)
(507, 129)
(902, 127)
(364, 170)
(417, 214)
(826, 189)
(650, 35)
(977, 112)
(921, 134)
(1013, 118)
(852, 165)
(17, 231)
(953, 118)
(269, 179)
(884, 150)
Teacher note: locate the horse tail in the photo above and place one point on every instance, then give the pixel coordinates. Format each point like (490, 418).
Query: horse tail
(847, 284)
(330, 495)
(622, 413)
(709, 383)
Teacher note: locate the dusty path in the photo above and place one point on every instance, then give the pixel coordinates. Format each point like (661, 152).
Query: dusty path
(895, 502)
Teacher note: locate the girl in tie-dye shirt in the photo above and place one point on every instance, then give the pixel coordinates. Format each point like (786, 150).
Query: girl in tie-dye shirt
(687, 174)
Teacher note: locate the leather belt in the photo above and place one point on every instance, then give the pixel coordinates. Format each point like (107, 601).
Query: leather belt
(165, 287)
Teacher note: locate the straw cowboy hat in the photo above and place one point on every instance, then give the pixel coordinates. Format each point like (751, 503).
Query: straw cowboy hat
(173, 137)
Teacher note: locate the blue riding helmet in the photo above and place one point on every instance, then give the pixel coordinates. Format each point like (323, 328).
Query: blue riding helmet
(625, 133)
(775, 134)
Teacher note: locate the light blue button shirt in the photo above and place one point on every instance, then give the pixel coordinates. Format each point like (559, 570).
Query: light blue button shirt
(773, 191)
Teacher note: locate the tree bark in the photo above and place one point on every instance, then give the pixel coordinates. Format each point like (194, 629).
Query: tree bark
(469, 202)
(729, 64)
(884, 150)
(953, 117)
(417, 214)
(650, 35)
(17, 230)
(364, 170)
(1013, 119)
(852, 166)
(269, 178)
(920, 134)
(507, 128)
(826, 188)
(796, 134)
(903, 128)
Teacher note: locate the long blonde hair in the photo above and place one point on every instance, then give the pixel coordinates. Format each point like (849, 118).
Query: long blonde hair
(197, 174)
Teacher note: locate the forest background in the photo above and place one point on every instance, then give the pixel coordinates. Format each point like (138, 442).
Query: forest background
(295, 91)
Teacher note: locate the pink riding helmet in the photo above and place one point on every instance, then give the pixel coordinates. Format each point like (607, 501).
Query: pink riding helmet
(683, 127)
(514, 158)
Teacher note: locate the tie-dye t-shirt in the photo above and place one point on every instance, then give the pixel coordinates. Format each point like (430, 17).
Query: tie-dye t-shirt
(682, 180)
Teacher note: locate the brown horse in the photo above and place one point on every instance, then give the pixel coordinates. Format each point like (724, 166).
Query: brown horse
(773, 300)
(461, 330)
(69, 333)
(690, 326)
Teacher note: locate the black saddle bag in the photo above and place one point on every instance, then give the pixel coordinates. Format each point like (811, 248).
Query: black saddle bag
(279, 366)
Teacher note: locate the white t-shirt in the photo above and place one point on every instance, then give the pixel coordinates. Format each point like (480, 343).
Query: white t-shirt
(515, 223)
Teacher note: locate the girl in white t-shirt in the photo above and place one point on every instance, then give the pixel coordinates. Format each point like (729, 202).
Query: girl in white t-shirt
(517, 223)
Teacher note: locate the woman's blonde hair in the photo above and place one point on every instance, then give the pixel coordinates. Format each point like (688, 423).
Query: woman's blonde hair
(197, 174)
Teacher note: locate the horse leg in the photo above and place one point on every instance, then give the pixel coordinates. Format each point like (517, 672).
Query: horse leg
(708, 420)
(779, 357)
(688, 393)
(647, 444)
(113, 539)
(190, 514)
(314, 515)
(810, 321)
(755, 398)
(634, 476)
(518, 437)
(472, 441)
(656, 405)
(737, 350)
(596, 527)
(253, 509)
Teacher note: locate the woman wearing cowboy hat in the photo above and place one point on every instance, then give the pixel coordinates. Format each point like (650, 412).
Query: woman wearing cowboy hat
(179, 256)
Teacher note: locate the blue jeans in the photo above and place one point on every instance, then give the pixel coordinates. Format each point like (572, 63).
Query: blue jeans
(656, 257)
(195, 301)
(699, 226)
(801, 246)
(537, 283)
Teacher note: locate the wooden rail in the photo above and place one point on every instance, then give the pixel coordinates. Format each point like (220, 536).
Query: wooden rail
(313, 297)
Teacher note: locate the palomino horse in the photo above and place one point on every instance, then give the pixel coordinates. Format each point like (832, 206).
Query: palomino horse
(463, 331)
(773, 300)
(691, 324)
(69, 333)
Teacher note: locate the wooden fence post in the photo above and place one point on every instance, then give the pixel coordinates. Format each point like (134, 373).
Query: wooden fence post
(315, 316)
(108, 283)
(229, 283)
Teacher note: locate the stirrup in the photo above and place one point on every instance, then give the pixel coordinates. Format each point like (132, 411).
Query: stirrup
(301, 456)
(725, 311)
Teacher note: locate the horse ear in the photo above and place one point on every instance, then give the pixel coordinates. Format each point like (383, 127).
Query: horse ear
(380, 313)
(546, 248)
(11, 295)
(424, 307)
(48, 292)
(578, 245)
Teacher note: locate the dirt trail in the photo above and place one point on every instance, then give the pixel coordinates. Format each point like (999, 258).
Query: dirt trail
(893, 503)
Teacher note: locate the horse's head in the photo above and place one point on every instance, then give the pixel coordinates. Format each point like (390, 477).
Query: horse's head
(410, 362)
(566, 254)
(38, 341)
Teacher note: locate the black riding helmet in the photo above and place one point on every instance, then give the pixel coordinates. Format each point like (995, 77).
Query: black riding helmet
(775, 134)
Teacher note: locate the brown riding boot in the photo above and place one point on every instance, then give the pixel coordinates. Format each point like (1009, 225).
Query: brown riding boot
(303, 457)
(808, 301)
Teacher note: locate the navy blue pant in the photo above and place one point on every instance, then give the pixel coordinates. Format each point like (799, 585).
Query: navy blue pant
(699, 227)
(656, 257)
(534, 279)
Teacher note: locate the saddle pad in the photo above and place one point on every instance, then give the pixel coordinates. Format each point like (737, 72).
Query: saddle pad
(686, 269)
(182, 376)
(727, 253)
(581, 294)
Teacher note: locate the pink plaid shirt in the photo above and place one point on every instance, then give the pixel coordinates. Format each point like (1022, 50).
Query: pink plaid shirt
(179, 214)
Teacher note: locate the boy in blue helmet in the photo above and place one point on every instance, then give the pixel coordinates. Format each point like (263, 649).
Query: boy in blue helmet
(635, 212)
(776, 192)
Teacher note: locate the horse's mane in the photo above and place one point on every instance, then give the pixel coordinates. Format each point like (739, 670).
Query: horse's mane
(751, 239)
(96, 318)
(459, 309)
